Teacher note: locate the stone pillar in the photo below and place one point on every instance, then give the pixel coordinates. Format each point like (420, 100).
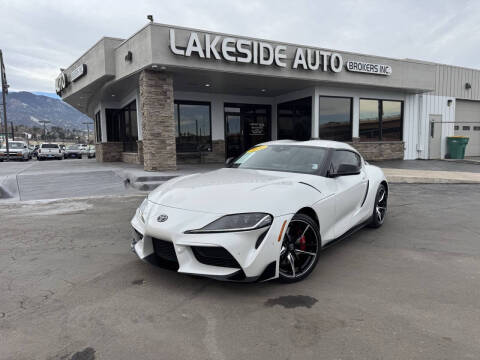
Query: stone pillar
(158, 122)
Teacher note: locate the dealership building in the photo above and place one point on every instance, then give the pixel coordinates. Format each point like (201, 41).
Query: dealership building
(170, 95)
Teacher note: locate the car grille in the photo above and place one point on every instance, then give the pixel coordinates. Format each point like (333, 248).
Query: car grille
(215, 256)
(164, 250)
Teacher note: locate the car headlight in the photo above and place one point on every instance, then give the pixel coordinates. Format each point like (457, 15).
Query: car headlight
(142, 208)
(236, 222)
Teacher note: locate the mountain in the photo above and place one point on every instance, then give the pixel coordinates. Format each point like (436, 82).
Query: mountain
(49, 94)
(25, 108)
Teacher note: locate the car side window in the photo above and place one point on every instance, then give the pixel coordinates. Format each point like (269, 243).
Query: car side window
(344, 157)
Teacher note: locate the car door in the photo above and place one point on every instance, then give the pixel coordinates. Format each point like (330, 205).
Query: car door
(350, 190)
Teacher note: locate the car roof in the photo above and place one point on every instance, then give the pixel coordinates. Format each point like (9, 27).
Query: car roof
(318, 143)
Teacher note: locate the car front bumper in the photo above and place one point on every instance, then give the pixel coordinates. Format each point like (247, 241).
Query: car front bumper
(3, 155)
(234, 256)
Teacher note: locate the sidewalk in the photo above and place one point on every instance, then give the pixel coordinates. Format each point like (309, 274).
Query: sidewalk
(430, 171)
(411, 176)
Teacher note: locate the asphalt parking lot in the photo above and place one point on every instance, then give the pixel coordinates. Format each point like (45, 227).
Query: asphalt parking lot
(71, 289)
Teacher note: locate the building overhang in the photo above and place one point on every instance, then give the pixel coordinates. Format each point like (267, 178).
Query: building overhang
(113, 64)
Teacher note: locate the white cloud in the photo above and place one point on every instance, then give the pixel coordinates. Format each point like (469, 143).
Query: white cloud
(40, 37)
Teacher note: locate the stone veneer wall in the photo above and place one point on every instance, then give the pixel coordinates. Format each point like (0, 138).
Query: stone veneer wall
(158, 123)
(379, 150)
(217, 155)
(109, 151)
(218, 152)
(140, 151)
(130, 158)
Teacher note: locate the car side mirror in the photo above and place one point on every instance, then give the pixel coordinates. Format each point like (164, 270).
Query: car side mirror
(345, 170)
(24, 146)
(229, 161)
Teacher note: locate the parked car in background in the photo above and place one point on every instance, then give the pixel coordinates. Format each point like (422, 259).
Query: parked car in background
(18, 151)
(35, 150)
(84, 149)
(73, 151)
(91, 151)
(49, 151)
(31, 149)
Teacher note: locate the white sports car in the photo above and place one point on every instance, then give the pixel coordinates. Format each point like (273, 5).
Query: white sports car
(267, 215)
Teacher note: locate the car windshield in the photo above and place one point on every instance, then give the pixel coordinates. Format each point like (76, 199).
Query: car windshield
(49, 146)
(15, 145)
(290, 158)
(73, 147)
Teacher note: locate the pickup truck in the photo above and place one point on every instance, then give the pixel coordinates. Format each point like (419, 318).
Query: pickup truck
(49, 151)
(73, 151)
(17, 149)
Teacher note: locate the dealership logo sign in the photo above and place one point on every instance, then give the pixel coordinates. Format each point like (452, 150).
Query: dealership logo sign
(61, 82)
(255, 52)
(368, 68)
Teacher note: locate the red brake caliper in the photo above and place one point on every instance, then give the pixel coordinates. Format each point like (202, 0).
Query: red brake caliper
(303, 243)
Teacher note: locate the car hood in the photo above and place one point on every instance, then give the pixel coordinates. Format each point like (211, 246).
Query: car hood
(230, 190)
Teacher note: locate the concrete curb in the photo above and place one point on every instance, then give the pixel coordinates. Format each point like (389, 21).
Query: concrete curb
(395, 179)
(464, 161)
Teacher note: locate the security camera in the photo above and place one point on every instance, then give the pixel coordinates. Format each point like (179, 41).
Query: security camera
(150, 17)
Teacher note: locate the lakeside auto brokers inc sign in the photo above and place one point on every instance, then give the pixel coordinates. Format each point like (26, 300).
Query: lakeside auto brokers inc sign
(262, 53)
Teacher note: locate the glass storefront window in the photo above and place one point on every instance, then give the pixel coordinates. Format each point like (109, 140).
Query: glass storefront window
(380, 120)
(122, 126)
(130, 128)
(294, 119)
(193, 132)
(369, 120)
(335, 118)
(392, 121)
(98, 128)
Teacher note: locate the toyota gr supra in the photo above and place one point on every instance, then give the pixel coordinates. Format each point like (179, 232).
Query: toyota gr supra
(267, 215)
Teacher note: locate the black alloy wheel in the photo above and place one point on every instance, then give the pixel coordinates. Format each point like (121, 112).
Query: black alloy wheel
(380, 207)
(300, 248)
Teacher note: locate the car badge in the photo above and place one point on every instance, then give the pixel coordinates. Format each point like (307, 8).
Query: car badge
(162, 218)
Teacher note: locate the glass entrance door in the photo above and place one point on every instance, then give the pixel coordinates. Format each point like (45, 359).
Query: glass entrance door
(234, 135)
(245, 126)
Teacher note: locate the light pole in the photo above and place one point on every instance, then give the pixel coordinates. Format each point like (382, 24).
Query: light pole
(4, 101)
(88, 131)
(44, 129)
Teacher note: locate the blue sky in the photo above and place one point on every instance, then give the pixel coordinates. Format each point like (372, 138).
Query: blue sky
(39, 40)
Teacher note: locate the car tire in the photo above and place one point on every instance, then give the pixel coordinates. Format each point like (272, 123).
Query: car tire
(306, 256)
(379, 207)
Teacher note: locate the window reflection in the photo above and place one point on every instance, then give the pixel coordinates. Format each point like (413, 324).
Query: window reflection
(295, 119)
(380, 120)
(335, 118)
(392, 121)
(369, 120)
(193, 132)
